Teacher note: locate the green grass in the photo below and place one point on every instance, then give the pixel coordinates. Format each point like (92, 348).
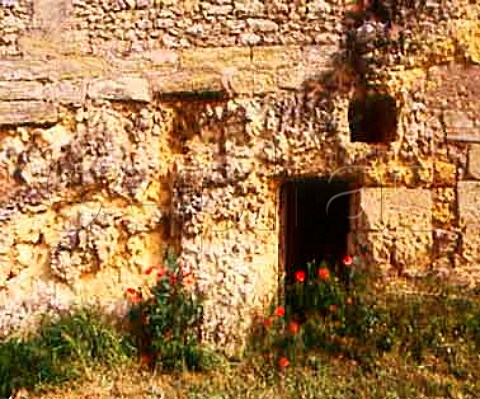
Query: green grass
(407, 346)
(61, 350)
(333, 378)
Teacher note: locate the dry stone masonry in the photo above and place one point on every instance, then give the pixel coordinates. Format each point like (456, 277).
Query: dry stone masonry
(132, 125)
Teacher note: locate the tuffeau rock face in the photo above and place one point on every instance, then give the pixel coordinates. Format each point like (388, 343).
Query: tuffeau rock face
(133, 125)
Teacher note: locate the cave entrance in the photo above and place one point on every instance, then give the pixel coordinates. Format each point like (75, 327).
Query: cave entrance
(315, 222)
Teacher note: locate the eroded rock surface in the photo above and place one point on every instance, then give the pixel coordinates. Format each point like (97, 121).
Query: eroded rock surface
(145, 124)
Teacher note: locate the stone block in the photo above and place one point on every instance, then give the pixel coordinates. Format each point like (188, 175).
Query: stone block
(23, 70)
(459, 125)
(468, 197)
(318, 55)
(219, 10)
(395, 208)
(186, 82)
(262, 25)
(474, 161)
(80, 67)
(455, 84)
(67, 92)
(21, 91)
(471, 245)
(254, 8)
(251, 82)
(22, 112)
(275, 56)
(295, 78)
(50, 14)
(125, 88)
(469, 213)
(216, 58)
(160, 57)
(409, 251)
(445, 173)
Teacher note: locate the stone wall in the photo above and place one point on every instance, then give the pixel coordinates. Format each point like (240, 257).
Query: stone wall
(132, 126)
(15, 18)
(136, 25)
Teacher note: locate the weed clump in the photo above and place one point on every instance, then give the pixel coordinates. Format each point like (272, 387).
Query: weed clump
(62, 349)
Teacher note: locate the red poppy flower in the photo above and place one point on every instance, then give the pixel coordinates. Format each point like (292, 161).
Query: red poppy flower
(280, 311)
(347, 260)
(136, 298)
(149, 270)
(283, 362)
(188, 280)
(333, 308)
(267, 323)
(300, 276)
(131, 291)
(324, 274)
(161, 272)
(294, 327)
(145, 359)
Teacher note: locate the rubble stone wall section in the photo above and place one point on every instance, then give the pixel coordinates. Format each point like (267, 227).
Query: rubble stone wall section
(105, 159)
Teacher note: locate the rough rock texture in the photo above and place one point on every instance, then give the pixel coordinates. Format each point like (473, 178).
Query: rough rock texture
(135, 124)
(15, 18)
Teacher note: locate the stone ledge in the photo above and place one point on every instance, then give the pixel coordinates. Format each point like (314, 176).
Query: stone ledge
(80, 67)
(21, 91)
(68, 92)
(276, 56)
(124, 88)
(219, 57)
(294, 78)
(186, 82)
(160, 57)
(23, 70)
(27, 112)
(241, 71)
(54, 69)
(252, 81)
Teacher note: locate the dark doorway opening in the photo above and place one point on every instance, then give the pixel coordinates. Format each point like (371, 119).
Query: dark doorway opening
(315, 222)
(373, 118)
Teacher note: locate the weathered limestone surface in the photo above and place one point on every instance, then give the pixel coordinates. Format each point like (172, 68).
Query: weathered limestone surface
(397, 222)
(460, 125)
(19, 112)
(21, 91)
(474, 161)
(50, 14)
(185, 82)
(125, 88)
(23, 70)
(468, 202)
(150, 123)
(68, 92)
(396, 208)
(469, 212)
